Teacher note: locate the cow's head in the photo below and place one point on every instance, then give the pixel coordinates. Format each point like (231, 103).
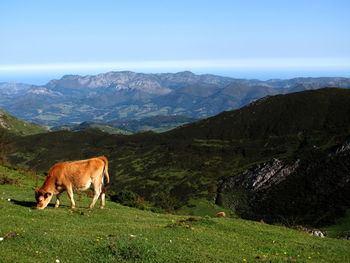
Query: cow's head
(42, 197)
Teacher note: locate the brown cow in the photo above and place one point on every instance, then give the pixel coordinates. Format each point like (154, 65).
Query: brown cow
(77, 175)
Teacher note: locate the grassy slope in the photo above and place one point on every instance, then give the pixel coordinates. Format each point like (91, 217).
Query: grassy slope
(187, 162)
(341, 227)
(18, 126)
(86, 236)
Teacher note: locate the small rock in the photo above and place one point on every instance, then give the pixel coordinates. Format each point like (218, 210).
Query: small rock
(317, 233)
(221, 214)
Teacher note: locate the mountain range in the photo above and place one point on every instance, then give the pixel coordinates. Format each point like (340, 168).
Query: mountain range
(128, 95)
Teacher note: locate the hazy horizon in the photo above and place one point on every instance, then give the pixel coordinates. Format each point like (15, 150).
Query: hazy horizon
(42, 79)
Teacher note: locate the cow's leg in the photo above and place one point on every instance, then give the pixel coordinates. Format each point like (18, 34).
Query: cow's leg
(70, 195)
(57, 204)
(103, 196)
(97, 192)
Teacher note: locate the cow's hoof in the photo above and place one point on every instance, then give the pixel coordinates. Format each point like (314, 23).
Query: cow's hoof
(102, 207)
(56, 206)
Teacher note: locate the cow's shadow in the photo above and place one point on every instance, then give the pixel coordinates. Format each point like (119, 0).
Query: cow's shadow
(29, 204)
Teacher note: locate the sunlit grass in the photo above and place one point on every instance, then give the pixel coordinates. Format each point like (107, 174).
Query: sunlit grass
(125, 234)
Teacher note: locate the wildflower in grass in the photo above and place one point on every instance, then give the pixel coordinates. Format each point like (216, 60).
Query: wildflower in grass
(244, 260)
(1, 238)
(309, 257)
(57, 261)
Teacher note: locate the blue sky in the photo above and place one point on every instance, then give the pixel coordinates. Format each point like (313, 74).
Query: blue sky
(41, 40)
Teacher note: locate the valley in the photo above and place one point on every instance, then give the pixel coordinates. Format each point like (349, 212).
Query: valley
(305, 130)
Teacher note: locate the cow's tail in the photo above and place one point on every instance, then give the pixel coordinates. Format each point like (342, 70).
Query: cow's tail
(105, 174)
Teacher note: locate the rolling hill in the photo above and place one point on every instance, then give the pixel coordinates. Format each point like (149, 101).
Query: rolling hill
(159, 123)
(17, 126)
(303, 131)
(92, 125)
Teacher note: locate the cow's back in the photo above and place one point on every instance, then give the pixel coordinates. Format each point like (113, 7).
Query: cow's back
(78, 174)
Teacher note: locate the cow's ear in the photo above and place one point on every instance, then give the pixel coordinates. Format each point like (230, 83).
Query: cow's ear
(47, 194)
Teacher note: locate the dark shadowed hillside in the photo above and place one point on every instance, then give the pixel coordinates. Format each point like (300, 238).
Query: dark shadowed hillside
(193, 161)
(323, 110)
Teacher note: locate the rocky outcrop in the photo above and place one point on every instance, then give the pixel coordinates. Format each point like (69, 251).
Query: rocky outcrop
(261, 177)
(313, 190)
(345, 148)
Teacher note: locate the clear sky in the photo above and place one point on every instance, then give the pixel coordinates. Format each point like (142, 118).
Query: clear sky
(41, 39)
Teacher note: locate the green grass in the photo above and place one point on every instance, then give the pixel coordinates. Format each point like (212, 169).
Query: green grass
(123, 234)
(341, 228)
(202, 207)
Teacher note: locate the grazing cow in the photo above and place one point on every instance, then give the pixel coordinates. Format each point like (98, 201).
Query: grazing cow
(77, 175)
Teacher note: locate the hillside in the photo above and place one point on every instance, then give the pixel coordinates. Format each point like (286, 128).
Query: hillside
(159, 123)
(123, 234)
(17, 126)
(92, 125)
(324, 110)
(128, 95)
(192, 162)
